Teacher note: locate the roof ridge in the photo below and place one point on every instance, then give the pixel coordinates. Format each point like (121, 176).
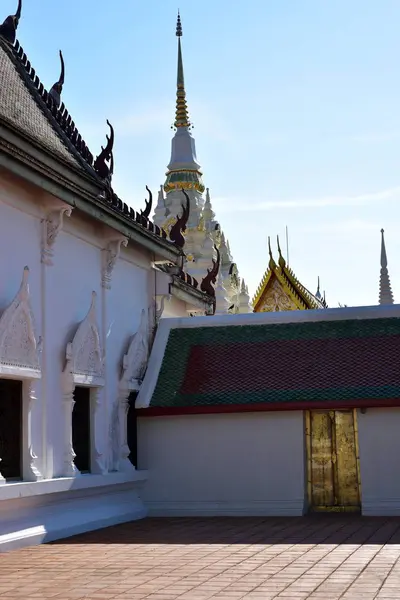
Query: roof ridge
(64, 126)
(59, 117)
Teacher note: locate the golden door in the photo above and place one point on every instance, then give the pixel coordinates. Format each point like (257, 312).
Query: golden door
(333, 464)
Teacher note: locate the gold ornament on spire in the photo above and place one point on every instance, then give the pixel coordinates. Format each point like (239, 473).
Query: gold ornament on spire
(181, 113)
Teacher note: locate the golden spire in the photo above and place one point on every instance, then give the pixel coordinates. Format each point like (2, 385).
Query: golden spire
(181, 114)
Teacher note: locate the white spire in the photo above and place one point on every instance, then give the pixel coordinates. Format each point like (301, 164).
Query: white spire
(160, 210)
(183, 147)
(208, 213)
(318, 293)
(385, 290)
(244, 300)
(221, 297)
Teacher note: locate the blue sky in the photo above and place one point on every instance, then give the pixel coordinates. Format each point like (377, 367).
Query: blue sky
(296, 108)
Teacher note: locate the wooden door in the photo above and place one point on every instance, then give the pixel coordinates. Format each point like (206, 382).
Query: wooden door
(333, 469)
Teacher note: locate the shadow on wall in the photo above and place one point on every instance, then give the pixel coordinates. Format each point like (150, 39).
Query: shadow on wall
(310, 529)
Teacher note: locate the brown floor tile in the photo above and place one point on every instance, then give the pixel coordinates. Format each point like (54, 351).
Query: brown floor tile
(317, 558)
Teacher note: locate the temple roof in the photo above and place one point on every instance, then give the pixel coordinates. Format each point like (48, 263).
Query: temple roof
(22, 106)
(276, 366)
(299, 297)
(37, 131)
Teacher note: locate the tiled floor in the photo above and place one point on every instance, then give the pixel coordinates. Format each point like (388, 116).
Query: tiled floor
(320, 557)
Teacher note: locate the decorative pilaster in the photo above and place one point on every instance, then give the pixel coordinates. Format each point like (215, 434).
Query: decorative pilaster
(51, 227)
(30, 466)
(110, 256)
(68, 403)
(98, 463)
(133, 369)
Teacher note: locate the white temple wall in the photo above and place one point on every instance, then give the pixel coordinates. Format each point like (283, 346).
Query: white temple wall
(223, 464)
(174, 307)
(60, 295)
(379, 446)
(75, 274)
(19, 247)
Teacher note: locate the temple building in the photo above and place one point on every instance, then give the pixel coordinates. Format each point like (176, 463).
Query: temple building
(205, 242)
(85, 279)
(281, 290)
(110, 411)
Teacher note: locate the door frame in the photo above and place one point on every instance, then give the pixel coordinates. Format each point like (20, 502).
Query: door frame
(341, 509)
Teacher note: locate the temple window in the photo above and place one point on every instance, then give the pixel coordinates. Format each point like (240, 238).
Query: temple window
(81, 428)
(11, 429)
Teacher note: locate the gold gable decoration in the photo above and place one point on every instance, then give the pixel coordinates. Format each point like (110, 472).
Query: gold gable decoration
(280, 289)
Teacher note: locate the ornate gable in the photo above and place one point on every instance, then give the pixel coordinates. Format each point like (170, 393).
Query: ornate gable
(135, 360)
(280, 290)
(276, 298)
(84, 354)
(19, 348)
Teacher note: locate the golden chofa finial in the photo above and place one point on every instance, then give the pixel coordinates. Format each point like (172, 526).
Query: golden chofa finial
(282, 262)
(272, 263)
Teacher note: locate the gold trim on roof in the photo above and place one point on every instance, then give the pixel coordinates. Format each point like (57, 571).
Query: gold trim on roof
(302, 298)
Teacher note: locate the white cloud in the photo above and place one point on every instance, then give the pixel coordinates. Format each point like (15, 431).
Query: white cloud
(237, 205)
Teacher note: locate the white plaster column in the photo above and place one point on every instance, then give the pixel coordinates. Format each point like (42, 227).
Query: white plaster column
(110, 256)
(30, 468)
(124, 464)
(98, 458)
(52, 225)
(68, 403)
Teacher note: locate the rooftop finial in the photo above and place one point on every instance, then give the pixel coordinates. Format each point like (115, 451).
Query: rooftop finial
(272, 263)
(282, 262)
(318, 294)
(178, 26)
(181, 113)
(100, 165)
(56, 90)
(385, 290)
(8, 29)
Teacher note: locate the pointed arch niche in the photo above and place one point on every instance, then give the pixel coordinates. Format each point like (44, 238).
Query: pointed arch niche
(133, 369)
(84, 367)
(20, 360)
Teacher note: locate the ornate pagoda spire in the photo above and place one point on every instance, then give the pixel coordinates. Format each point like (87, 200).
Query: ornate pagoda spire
(181, 113)
(385, 290)
(183, 169)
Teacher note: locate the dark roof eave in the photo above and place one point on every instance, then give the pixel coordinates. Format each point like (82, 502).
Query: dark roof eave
(47, 173)
(160, 411)
(191, 295)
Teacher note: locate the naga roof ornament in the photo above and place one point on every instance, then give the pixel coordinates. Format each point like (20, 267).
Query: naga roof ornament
(175, 235)
(56, 90)
(104, 170)
(281, 260)
(209, 281)
(8, 30)
(149, 203)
